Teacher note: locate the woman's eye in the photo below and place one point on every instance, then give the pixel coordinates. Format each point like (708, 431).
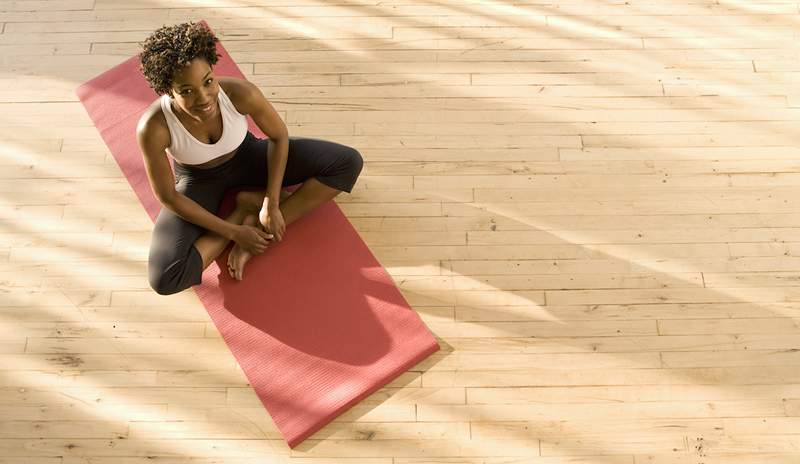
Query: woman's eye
(187, 91)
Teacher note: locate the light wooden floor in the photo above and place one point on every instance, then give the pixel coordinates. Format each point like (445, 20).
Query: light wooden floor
(592, 204)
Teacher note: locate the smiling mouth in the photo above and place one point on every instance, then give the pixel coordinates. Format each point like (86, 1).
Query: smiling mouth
(206, 108)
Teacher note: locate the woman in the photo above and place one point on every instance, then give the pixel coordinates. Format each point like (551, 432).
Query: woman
(200, 121)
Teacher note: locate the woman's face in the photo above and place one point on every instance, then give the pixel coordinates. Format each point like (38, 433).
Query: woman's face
(195, 90)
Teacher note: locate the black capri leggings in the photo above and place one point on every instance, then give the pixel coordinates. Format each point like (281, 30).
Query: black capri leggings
(174, 263)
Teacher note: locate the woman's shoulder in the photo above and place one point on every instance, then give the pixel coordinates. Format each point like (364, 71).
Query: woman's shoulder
(236, 89)
(153, 123)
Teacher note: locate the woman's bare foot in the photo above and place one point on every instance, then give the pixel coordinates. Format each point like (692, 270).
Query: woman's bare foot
(238, 256)
(263, 216)
(254, 201)
(257, 202)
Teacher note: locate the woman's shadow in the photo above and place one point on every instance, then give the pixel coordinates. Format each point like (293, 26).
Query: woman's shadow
(322, 292)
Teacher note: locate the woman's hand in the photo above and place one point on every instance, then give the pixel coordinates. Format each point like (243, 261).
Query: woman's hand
(252, 239)
(271, 218)
(277, 224)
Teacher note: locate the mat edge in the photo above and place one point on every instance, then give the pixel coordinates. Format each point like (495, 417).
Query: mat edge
(401, 369)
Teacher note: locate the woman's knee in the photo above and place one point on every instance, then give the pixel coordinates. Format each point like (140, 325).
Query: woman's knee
(167, 281)
(177, 275)
(356, 160)
(352, 161)
(343, 169)
(346, 170)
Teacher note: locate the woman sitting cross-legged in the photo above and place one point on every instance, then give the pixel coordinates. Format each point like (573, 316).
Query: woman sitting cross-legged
(200, 121)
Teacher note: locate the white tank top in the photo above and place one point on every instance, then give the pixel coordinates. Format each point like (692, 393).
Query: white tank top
(186, 149)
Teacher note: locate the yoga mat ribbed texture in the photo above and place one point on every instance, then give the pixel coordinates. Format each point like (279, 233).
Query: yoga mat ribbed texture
(317, 324)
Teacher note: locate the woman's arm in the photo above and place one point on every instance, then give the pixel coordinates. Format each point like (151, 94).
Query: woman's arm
(248, 99)
(190, 210)
(276, 167)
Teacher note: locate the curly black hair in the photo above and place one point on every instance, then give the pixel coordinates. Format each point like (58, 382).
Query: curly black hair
(170, 48)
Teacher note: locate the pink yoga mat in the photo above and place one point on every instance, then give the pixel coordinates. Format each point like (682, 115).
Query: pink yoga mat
(317, 324)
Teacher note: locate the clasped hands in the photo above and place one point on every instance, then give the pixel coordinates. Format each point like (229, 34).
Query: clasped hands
(255, 238)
